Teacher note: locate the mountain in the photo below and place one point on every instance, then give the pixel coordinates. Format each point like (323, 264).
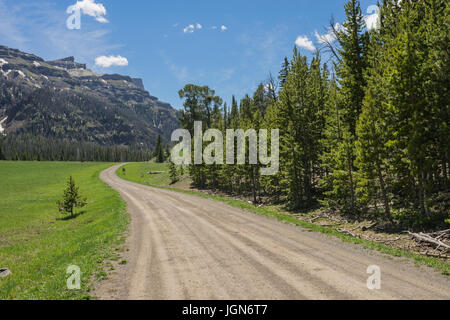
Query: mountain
(62, 99)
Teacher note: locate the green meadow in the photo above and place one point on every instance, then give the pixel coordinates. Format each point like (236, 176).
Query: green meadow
(38, 244)
(139, 172)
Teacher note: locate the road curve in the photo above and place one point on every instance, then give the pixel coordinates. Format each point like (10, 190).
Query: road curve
(185, 247)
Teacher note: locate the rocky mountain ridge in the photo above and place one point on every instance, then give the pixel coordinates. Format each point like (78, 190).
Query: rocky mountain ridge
(64, 99)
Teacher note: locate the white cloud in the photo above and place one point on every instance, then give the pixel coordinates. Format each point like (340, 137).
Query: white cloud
(106, 62)
(324, 38)
(329, 37)
(93, 9)
(197, 26)
(373, 17)
(102, 20)
(189, 29)
(304, 42)
(269, 86)
(372, 21)
(1, 122)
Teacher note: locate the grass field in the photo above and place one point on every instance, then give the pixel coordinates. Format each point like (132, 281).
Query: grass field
(37, 245)
(138, 172)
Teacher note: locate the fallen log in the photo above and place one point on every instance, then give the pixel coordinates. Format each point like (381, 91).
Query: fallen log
(424, 237)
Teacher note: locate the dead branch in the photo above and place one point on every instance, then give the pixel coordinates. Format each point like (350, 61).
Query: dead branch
(347, 232)
(427, 238)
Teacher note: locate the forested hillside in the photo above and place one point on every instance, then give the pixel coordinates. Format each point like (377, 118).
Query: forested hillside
(366, 133)
(27, 147)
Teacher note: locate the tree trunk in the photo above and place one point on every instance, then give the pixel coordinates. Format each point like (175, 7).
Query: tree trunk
(387, 209)
(352, 188)
(253, 185)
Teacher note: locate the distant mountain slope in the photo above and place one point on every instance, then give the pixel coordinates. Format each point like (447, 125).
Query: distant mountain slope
(62, 99)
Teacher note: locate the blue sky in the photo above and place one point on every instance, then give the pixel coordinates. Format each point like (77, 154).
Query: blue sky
(230, 45)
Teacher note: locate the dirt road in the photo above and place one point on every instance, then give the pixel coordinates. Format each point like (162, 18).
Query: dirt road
(185, 247)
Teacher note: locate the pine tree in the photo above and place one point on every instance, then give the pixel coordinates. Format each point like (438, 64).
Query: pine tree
(372, 145)
(71, 199)
(415, 113)
(436, 68)
(271, 184)
(181, 171)
(173, 173)
(158, 153)
(284, 73)
(300, 114)
(255, 174)
(234, 116)
(353, 40)
(229, 172)
(261, 99)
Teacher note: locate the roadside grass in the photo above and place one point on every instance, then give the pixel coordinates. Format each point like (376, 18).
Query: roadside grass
(38, 245)
(138, 172)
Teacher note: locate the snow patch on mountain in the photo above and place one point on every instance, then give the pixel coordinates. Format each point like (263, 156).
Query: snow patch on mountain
(1, 127)
(6, 73)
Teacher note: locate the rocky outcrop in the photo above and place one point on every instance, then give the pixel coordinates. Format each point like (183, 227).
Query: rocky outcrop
(14, 53)
(4, 272)
(116, 77)
(138, 82)
(67, 63)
